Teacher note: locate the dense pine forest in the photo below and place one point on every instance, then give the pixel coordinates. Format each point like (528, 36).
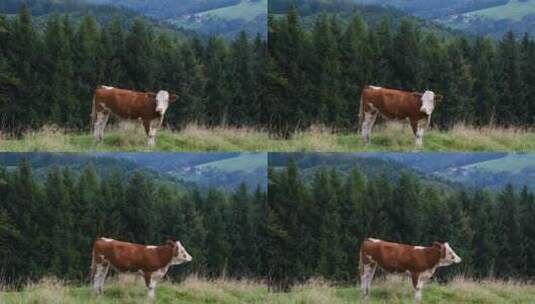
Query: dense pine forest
(323, 69)
(316, 224)
(48, 224)
(48, 72)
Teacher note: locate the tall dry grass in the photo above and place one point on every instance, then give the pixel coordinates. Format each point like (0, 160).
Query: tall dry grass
(392, 289)
(194, 137)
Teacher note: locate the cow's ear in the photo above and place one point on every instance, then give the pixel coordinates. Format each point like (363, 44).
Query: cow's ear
(437, 244)
(439, 97)
(417, 94)
(172, 97)
(152, 95)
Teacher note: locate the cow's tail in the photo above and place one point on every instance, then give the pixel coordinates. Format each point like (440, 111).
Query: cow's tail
(93, 266)
(361, 265)
(93, 111)
(361, 112)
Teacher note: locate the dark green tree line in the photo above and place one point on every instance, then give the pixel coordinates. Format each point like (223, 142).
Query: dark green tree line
(48, 73)
(322, 68)
(47, 226)
(317, 222)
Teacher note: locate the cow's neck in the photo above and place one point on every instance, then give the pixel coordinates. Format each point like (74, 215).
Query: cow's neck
(433, 254)
(166, 255)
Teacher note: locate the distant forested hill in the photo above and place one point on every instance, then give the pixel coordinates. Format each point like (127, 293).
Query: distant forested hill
(446, 171)
(483, 17)
(196, 170)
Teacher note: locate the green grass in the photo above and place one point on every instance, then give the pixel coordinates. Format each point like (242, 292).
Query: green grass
(225, 291)
(246, 9)
(394, 137)
(514, 9)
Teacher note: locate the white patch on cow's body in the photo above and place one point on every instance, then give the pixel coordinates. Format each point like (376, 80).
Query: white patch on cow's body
(419, 247)
(374, 240)
(428, 102)
(151, 247)
(162, 102)
(106, 239)
(107, 87)
(375, 87)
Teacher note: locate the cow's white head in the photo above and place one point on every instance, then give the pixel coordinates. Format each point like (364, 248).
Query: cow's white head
(180, 255)
(447, 255)
(428, 102)
(163, 99)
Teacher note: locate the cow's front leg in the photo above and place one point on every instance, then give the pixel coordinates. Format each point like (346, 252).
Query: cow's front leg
(418, 128)
(367, 125)
(153, 128)
(417, 283)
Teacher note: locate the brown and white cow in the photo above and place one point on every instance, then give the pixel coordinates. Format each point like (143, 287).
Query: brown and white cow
(152, 262)
(419, 262)
(147, 106)
(396, 105)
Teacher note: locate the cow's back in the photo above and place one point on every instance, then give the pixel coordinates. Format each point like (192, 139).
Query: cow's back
(126, 256)
(125, 103)
(394, 257)
(392, 104)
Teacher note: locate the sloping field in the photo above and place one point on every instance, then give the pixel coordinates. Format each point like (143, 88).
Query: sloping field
(511, 163)
(246, 162)
(246, 9)
(514, 9)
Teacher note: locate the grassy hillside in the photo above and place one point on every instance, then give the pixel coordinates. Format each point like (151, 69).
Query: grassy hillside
(246, 9)
(225, 291)
(392, 137)
(511, 163)
(247, 162)
(514, 9)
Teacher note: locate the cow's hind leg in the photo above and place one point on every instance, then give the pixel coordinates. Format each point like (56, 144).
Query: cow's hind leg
(100, 276)
(100, 124)
(367, 125)
(367, 274)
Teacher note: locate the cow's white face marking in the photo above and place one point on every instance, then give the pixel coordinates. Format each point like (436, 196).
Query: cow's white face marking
(374, 240)
(428, 102)
(151, 247)
(375, 88)
(450, 258)
(419, 247)
(162, 102)
(181, 256)
(107, 87)
(106, 239)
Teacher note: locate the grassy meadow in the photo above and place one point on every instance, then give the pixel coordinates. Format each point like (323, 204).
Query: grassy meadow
(195, 290)
(390, 137)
